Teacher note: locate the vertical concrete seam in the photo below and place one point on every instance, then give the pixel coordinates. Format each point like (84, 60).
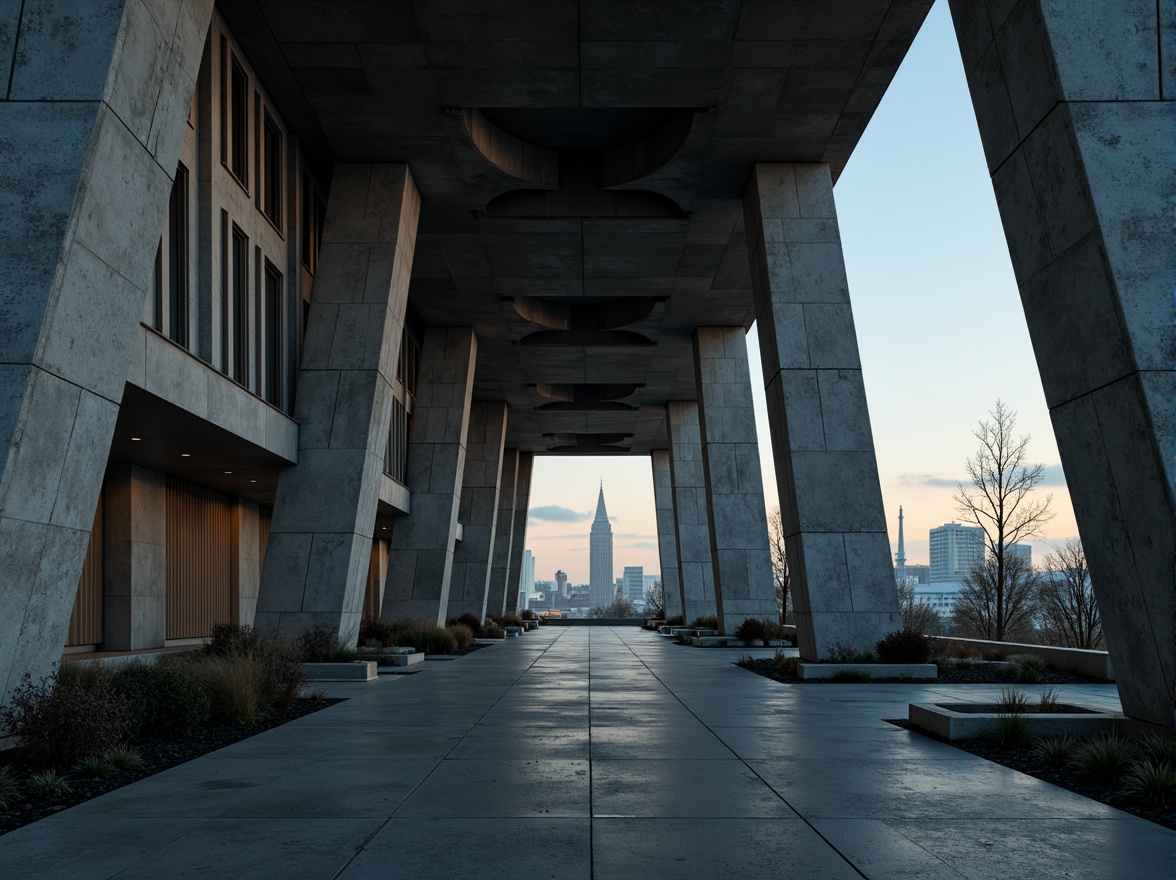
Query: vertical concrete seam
(16, 49)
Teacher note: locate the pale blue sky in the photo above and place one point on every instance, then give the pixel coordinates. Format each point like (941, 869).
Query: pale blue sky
(939, 325)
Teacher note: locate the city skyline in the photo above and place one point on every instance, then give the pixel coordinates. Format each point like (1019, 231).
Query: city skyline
(930, 277)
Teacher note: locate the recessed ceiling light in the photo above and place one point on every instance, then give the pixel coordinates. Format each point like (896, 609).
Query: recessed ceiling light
(136, 438)
(253, 481)
(228, 472)
(185, 455)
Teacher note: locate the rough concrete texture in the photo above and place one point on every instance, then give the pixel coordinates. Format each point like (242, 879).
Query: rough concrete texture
(691, 514)
(420, 562)
(246, 561)
(826, 474)
(503, 534)
(93, 116)
(740, 558)
(667, 541)
(319, 548)
(134, 558)
(1076, 110)
(519, 533)
(473, 558)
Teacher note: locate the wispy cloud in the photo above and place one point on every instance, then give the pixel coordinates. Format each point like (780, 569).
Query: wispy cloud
(555, 513)
(641, 545)
(1052, 476)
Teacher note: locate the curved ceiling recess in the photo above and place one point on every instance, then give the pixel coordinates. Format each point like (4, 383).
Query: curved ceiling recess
(577, 172)
(585, 322)
(596, 444)
(586, 397)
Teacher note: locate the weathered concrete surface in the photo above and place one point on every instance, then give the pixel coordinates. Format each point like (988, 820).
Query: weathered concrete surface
(473, 559)
(420, 562)
(519, 533)
(1076, 104)
(503, 533)
(134, 558)
(93, 115)
(667, 540)
(691, 516)
(246, 556)
(319, 549)
(741, 561)
(826, 474)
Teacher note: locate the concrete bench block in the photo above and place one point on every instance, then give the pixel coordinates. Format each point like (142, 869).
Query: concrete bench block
(360, 670)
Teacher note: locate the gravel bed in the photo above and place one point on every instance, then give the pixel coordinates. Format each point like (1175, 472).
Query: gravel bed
(157, 755)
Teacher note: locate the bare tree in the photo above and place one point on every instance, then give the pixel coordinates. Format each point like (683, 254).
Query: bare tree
(918, 616)
(620, 608)
(1067, 609)
(987, 609)
(998, 501)
(779, 562)
(655, 601)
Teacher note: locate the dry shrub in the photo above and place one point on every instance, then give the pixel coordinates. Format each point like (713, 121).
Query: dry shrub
(62, 723)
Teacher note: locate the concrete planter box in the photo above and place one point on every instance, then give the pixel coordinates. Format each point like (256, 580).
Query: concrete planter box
(531, 624)
(1096, 664)
(489, 641)
(402, 659)
(514, 631)
(948, 723)
(360, 670)
(922, 671)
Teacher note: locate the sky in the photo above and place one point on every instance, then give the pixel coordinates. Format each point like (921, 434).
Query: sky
(939, 323)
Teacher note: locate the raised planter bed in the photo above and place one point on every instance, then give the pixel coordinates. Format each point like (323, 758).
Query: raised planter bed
(360, 670)
(914, 671)
(732, 642)
(513, 632)
(953, 721)
(489, 641)
(1095, 664)
(401, 659)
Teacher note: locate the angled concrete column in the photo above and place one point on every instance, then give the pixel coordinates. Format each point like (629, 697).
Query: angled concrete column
(316, 560)
(503, 534)
(827, 476)
(740, 558)
(474, 557)
(691, 517)
(1076, 105)
(92, 106)
(134, 614)
(667, 544)
(420, 562)
(518, 541)
(245, 576)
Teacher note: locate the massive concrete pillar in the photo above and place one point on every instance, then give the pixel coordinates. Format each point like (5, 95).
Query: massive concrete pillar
(134, 559)
(92, 108)
(691, 516)
(667, 543)
(503, 534)
(245, 577)
(320, 541)
(518, 541)
(830, 498)
(420, 562)
(1076, 105)
(740, 559)
(478, 513)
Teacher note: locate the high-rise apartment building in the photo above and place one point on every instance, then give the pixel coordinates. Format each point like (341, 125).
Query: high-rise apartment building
(634, 582)
(526, 578)
(600, 557)
(955, 549)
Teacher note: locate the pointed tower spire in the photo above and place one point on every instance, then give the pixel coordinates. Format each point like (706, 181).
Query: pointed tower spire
(900, 557)
(601, 586)
(601, 513)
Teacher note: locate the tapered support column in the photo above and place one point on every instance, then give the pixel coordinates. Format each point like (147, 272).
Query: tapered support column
(691, 518)
(246, 556)
(740, 558)
(420, 563)
(1076, 106)
(93, 107)
(134, 559)
(667, 543)
(518, 540)
(316, 561)
(474, 556)
(826, 474)
(503, 534)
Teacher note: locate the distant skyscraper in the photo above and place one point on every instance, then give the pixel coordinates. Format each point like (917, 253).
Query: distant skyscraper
(561, 582)
(526, 578)
(954, 550)
(900, 557)
(634, 578)
(600, 557)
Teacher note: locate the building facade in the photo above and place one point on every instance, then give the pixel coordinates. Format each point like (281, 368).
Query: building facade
(955, 550)
(602, 586)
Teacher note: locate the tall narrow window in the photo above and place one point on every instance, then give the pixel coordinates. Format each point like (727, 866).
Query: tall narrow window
(273, 334)
(239, 306)
(238, 122)
(272, 171)
(177, 259)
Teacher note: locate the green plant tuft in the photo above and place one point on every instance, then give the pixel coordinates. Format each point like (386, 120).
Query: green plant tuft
(1151, 781)
(1026, 668)
(851, 676)
(1012, 731)
(124, 758)
(1157, 747)
(1049, 704)
(1056, 751)
(8, 789)
(319, 695)
(904, 646)
(49, 784)
(746, 661)
(1104, 759)
(1012, 702)
(94, 767)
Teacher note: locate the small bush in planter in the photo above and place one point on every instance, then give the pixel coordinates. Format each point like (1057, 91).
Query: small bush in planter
(462, 635)
(424, 635)
(279, 669)
(676, 620)
(491, 630)
(376, 633)
(528, 614)
(164, 701)
(776, 632)
(321, 644)
(468, 619)
(904, 646)
(709, 621)
(510, 620)
(64, 723)
(752, 631)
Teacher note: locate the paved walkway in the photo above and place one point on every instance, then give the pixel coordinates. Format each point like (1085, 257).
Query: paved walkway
(596, 752)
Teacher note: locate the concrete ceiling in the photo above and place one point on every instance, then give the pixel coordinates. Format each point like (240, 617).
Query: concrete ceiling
(575, 152)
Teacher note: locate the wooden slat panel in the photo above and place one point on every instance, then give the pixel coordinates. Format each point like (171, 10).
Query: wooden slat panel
(199, 559)
(85, 623)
